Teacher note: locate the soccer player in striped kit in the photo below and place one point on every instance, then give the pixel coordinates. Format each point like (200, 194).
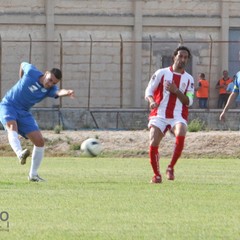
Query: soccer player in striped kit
(170, 92)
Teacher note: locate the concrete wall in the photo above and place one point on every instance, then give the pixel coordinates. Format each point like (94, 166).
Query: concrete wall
(32, 30)
(125, 119)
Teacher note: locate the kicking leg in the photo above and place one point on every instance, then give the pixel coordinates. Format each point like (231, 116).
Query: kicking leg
(15, 143)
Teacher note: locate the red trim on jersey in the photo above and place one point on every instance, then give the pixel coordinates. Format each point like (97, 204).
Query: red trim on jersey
(173, 97)
(158, 95)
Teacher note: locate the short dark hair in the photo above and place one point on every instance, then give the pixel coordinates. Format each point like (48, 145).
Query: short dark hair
(175, 53)
(202, 75)
(57, 73)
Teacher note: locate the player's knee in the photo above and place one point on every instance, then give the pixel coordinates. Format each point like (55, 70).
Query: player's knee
(38, 142)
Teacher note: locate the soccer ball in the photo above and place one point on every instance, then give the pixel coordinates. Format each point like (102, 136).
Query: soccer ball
(91, 147)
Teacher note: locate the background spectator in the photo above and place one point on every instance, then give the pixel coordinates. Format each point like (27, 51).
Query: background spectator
(202, 91)
(222, 86)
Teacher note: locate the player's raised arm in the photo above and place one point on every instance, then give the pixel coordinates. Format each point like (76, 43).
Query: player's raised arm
(230, 101)
(65, 92)
(20, 71)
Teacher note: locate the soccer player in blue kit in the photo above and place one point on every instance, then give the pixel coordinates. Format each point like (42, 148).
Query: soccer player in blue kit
(232, 97)
(32, 87)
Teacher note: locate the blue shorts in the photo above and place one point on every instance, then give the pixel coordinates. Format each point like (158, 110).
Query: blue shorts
(25, 120)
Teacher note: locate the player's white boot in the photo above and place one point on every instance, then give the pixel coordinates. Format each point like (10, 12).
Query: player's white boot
(23, 156)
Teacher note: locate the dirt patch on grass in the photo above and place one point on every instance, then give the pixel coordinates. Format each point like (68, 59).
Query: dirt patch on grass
(134, 143)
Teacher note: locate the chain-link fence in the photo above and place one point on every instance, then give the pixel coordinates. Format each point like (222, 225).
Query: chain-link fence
(114, 74)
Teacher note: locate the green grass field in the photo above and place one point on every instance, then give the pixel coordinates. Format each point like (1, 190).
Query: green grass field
(104, 198)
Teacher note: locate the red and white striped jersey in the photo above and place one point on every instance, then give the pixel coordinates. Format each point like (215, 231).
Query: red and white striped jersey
(169, 105)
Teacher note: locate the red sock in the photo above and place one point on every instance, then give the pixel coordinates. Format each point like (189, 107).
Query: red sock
(154, 159)
(179, 144)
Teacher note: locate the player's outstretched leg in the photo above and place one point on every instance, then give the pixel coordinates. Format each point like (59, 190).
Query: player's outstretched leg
(17, 148)
(23, 156)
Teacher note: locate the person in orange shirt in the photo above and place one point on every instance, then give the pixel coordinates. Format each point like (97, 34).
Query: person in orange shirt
(222, 87)
(202, 91)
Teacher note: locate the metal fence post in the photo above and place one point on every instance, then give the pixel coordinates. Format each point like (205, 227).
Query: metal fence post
(150, 57)
(210, 66)
(121, 71)
(61, 65)
(30, 48)
(90, 71)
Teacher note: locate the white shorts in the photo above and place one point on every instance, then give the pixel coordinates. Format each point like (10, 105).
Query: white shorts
(165, 124)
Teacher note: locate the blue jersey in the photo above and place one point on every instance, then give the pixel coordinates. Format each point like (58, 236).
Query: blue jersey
(237, 83)
(28, 90)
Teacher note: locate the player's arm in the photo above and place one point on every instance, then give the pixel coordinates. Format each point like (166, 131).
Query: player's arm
(152, 85)
(24, 68)
(186, 99)
(231, 99)
(228, 90)
(151, 101)
(65, 92)
(182, 97)
(21, 71)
